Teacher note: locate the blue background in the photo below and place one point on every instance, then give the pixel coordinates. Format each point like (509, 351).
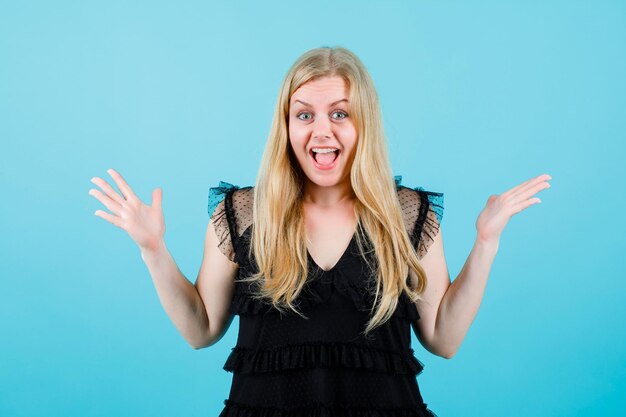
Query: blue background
(477, 97)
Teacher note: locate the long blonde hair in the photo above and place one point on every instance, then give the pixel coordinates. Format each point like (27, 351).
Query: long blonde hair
(278, 230)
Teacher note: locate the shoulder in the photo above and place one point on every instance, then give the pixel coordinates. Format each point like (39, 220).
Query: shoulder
(243, 199)
(225, 194)
(422, 212)
(230, 210)
(230, 206)
(417, 201)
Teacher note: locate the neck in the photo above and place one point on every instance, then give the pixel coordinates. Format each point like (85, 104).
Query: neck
(328, 196)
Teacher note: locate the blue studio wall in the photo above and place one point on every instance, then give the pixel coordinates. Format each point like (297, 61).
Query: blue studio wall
(476, 96)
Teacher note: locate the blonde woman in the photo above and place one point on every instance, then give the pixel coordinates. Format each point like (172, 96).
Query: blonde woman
(328, 259)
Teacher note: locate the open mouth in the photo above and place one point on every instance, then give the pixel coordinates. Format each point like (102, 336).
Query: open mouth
(324, 158)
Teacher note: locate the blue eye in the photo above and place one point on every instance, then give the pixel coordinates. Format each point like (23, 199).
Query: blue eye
(342, 113)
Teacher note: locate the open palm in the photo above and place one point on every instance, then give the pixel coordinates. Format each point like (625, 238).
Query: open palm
(144, 223)
(500, 208)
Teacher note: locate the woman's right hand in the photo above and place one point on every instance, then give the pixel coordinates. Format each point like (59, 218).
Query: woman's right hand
(144, 224)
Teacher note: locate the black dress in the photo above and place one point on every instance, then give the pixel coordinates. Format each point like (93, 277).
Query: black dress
(286, 366)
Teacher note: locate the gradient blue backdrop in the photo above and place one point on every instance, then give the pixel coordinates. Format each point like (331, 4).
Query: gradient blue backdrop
(477, 97)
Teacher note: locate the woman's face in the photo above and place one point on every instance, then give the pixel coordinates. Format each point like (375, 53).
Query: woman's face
(319, 117)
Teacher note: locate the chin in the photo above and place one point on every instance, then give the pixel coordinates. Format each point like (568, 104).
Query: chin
(325, 180)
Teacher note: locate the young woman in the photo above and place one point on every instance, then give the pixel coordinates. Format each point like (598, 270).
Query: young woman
(328, 260)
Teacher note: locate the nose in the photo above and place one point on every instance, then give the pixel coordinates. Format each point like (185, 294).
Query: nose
(322, 128)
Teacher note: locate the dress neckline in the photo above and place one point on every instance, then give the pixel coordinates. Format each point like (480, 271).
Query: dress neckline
(344, 254)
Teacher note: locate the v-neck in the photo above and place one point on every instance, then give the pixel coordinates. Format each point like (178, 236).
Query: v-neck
(341, 258)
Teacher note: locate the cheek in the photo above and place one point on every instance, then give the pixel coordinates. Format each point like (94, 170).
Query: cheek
(296, 149)
(297, 137)
(348, 133)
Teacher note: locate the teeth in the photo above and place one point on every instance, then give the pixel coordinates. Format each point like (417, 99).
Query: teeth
(324, 150)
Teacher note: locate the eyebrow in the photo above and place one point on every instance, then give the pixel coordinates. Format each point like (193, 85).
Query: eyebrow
(332, 104)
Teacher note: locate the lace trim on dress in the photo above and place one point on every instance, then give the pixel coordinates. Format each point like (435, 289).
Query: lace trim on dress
(235, 409)
(325, 355)
(423, 212)
(230, 208)
(219, 210)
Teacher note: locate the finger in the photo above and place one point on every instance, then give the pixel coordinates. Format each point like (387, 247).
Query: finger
(157, 197)
(110, 192)
(121, 184)
(529, 191)
(528, 183)
(537, 184)
(110, 218)
(110, 204)
(516, 208)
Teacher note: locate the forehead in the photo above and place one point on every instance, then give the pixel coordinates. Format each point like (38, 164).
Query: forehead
(321, 90)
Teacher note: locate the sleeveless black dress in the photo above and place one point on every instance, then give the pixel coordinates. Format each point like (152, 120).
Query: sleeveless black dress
(286, 366)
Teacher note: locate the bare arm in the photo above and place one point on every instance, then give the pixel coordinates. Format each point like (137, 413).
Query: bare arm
(200, 311)
(448, 309)
(178, 296)
(444, 328)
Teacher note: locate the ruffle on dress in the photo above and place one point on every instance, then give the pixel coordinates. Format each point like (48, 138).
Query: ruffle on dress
(326, 355)
(318, 291)
(320, 288)
(217, 194)
(244, 305)
(423, 212)
(234, 409)
(435, 200)
(223, 216)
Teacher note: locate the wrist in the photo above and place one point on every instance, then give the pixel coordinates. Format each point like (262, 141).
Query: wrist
(488, 244)
(153, 250)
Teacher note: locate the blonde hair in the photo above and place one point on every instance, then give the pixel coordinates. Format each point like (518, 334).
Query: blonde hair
(278, 230)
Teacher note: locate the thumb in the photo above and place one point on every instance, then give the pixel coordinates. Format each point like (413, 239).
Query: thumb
(157, 197)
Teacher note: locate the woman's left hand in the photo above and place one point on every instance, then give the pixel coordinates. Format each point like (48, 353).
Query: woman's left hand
(500, 208)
